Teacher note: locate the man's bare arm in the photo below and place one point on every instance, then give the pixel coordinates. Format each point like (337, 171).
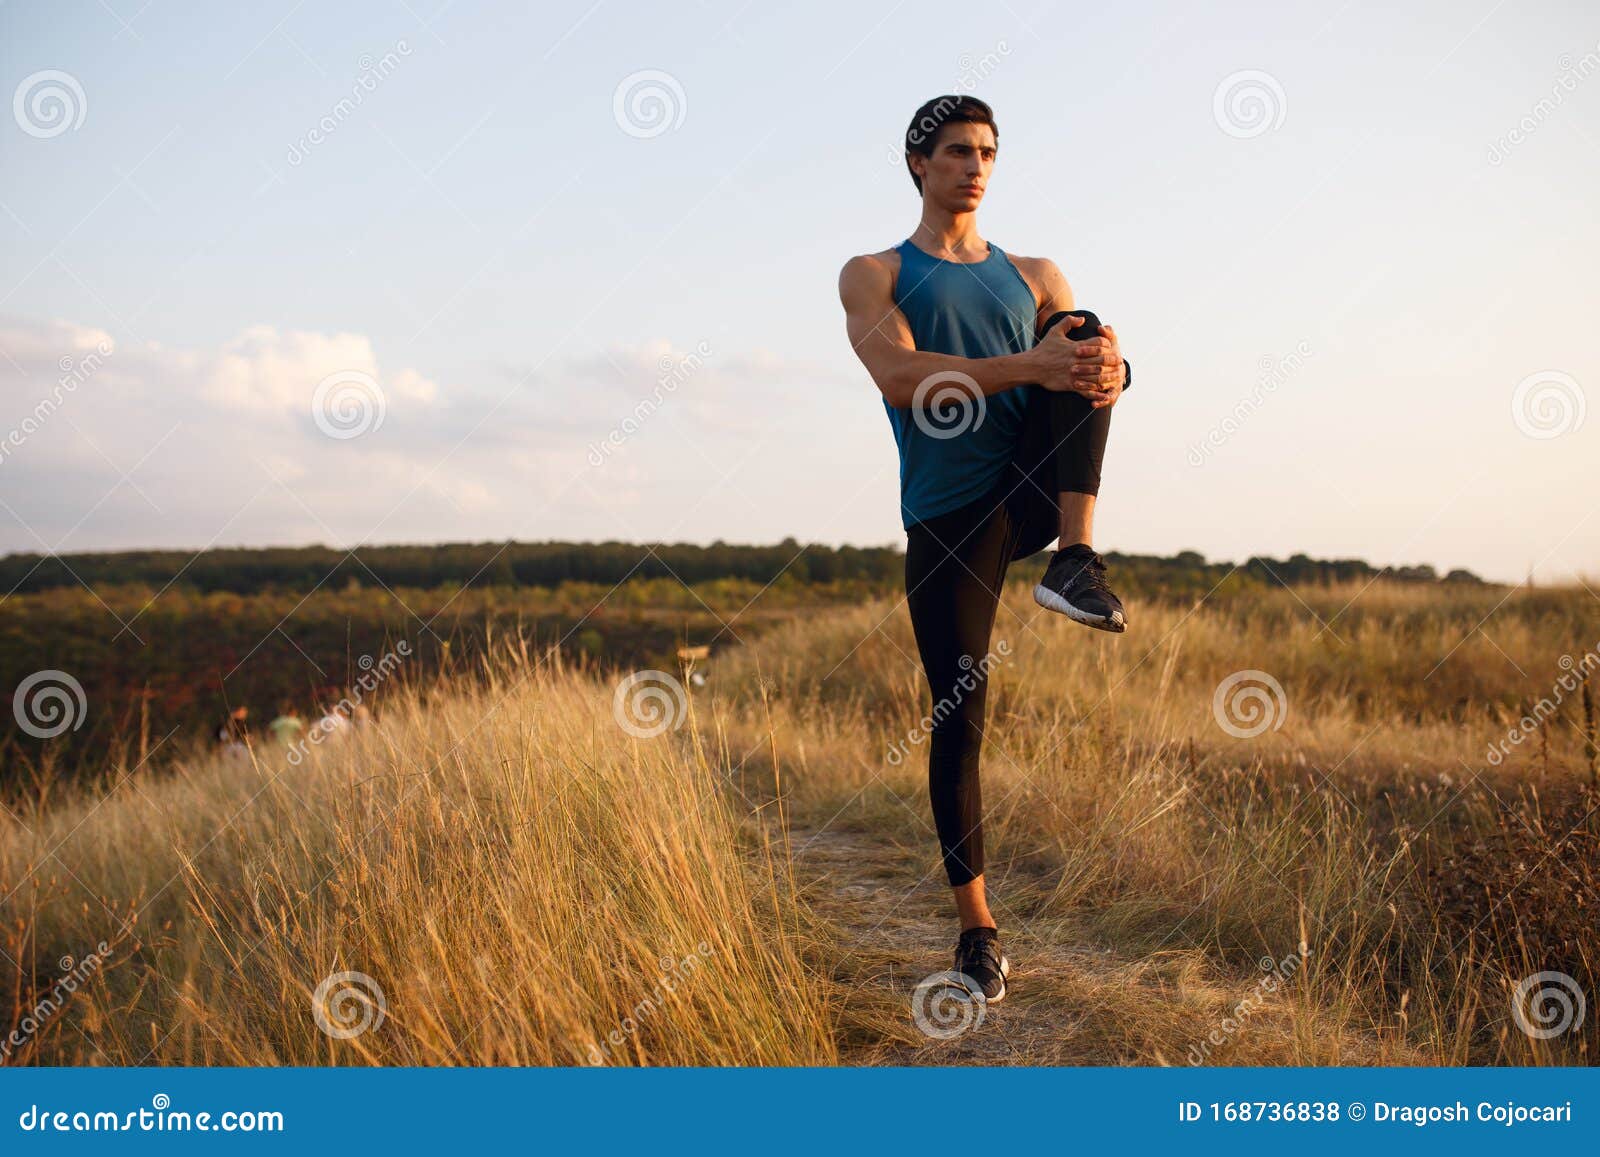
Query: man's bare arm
(882, 340)
(1055, 294)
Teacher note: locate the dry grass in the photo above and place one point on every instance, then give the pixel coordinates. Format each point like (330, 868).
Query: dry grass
(515, 872)
(511, 867)
(1121, 815)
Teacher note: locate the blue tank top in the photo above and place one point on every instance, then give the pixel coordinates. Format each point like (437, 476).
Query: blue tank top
(955, 451)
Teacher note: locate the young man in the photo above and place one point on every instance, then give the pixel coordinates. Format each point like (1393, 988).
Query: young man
(999, 391)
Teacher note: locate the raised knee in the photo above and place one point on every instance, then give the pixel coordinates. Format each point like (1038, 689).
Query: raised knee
(1089, 328)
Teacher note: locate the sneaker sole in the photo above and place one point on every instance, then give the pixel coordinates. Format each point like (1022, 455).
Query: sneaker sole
(1005, 971)
(1050, 601)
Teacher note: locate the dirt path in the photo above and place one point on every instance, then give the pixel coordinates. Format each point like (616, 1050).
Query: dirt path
(900, 931)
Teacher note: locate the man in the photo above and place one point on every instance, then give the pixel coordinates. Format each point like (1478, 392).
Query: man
(999, 391)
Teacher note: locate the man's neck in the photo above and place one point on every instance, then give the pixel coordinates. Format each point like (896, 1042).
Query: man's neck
(953, 235)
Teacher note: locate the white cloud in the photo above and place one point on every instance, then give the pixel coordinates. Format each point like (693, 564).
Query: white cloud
(160, 446)
(38, 342)
(266, 370)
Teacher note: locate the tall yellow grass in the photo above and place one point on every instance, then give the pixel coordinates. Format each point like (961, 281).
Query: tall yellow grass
(1120, 813)
(524, 881)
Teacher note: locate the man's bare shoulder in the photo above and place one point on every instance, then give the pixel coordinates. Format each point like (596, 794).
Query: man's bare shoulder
(1036, 267)
(885, 260)
(871, 269)
(1050, 288)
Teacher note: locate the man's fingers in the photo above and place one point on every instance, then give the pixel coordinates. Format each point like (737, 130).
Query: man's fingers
(1066, 324)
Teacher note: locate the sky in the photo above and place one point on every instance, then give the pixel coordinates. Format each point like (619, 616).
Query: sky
(421, 271)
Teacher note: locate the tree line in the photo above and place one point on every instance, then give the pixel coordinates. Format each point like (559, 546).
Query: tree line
(247, 571)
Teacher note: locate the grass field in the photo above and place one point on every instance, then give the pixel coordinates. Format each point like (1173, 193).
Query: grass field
(516, 870)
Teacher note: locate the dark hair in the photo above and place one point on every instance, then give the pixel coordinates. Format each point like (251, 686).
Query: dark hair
(922, 135)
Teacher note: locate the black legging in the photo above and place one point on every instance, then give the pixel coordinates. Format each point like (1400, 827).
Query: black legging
(955, 566)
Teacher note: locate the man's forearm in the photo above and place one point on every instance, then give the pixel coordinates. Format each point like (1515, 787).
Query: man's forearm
(991, 375)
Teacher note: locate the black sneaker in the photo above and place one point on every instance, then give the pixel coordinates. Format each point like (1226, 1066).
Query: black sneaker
(1075, 585)
(982, 965)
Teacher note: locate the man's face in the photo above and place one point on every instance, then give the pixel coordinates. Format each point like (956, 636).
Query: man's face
(957, 174)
